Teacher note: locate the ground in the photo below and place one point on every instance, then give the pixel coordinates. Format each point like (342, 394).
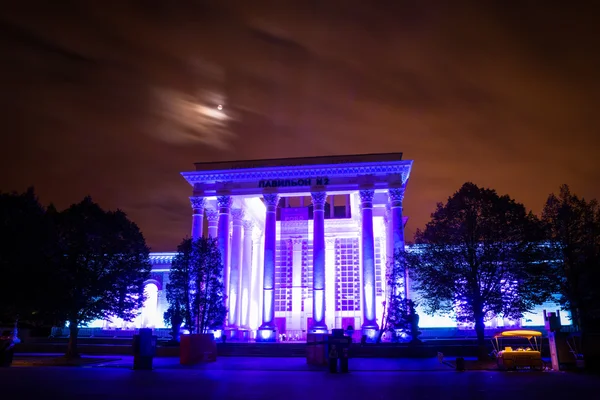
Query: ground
(287, 379)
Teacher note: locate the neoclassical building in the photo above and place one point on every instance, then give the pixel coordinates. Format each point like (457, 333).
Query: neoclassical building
(304, 241)
(305, 244)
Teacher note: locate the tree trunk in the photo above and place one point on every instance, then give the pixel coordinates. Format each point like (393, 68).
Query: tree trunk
(176, 327)
(576, 318)
(202, 315)
(480, 331)
(414, 327)
(383, 326)
(72, 351)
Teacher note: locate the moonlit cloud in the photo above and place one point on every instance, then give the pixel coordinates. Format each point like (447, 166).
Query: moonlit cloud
(186, 120)
(114, 100)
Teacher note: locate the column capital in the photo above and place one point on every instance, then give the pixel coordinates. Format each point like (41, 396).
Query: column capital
(396, 195)
(366, 198)
(211, 215)
(197, 202)
(297, 241)
(329, 242)
(237, 215)
(224, 201)
(248, 225)
(318, 199)
(271, 200)
(386, 216)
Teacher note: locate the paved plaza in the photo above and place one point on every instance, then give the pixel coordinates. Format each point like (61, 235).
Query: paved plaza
(288, 378)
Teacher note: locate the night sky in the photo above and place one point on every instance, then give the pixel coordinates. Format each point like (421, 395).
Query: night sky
(106, 99)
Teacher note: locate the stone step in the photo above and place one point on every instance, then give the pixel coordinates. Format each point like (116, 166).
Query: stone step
(463, 348)
(262, 349)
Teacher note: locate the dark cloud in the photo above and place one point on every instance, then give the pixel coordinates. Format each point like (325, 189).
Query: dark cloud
(111, 98)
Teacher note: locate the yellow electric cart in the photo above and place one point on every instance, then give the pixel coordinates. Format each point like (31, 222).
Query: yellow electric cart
(524, 349)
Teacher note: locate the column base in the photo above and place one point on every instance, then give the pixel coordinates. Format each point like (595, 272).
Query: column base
(266, 334)
(237, 334)
(243, 334)
(370, 332)
(318, 328)
(231, 333)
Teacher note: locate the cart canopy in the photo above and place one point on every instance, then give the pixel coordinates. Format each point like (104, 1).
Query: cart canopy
(519, 333)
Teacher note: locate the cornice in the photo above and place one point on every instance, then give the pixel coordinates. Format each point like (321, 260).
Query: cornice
(309, 171)
(161, 258)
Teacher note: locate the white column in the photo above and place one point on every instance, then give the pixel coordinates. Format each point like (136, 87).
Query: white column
(296, 322)
(267, 329)
(368, 261)
(197, 216)
(235, 268)
(396, 195)
(246, 275)
(261, 276)
(256, 287)
(381, 299)
(319, 325)
(331, 283)
(213, 219)
(224, 204)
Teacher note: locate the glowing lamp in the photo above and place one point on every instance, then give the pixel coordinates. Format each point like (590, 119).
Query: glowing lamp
(265, 334)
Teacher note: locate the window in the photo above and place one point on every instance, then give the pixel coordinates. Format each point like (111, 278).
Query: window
(283, 276)
(307, 272)
(347, 266)
(378, 262)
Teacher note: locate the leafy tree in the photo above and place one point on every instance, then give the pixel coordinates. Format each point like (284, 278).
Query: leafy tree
(174, 316)
(195, 288)
(401, 312)
(25, 253)
(178, 288)
(480, 256)
(573, 231)
(100, 268)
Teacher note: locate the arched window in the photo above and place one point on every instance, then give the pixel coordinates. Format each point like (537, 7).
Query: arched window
(150, 308)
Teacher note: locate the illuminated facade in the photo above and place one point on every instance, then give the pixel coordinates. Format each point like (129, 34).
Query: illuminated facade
(305, 243)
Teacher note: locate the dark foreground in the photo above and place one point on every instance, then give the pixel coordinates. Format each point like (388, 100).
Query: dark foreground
(248, 380)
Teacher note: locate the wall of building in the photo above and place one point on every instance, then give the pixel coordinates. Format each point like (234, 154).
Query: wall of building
(293, 295)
